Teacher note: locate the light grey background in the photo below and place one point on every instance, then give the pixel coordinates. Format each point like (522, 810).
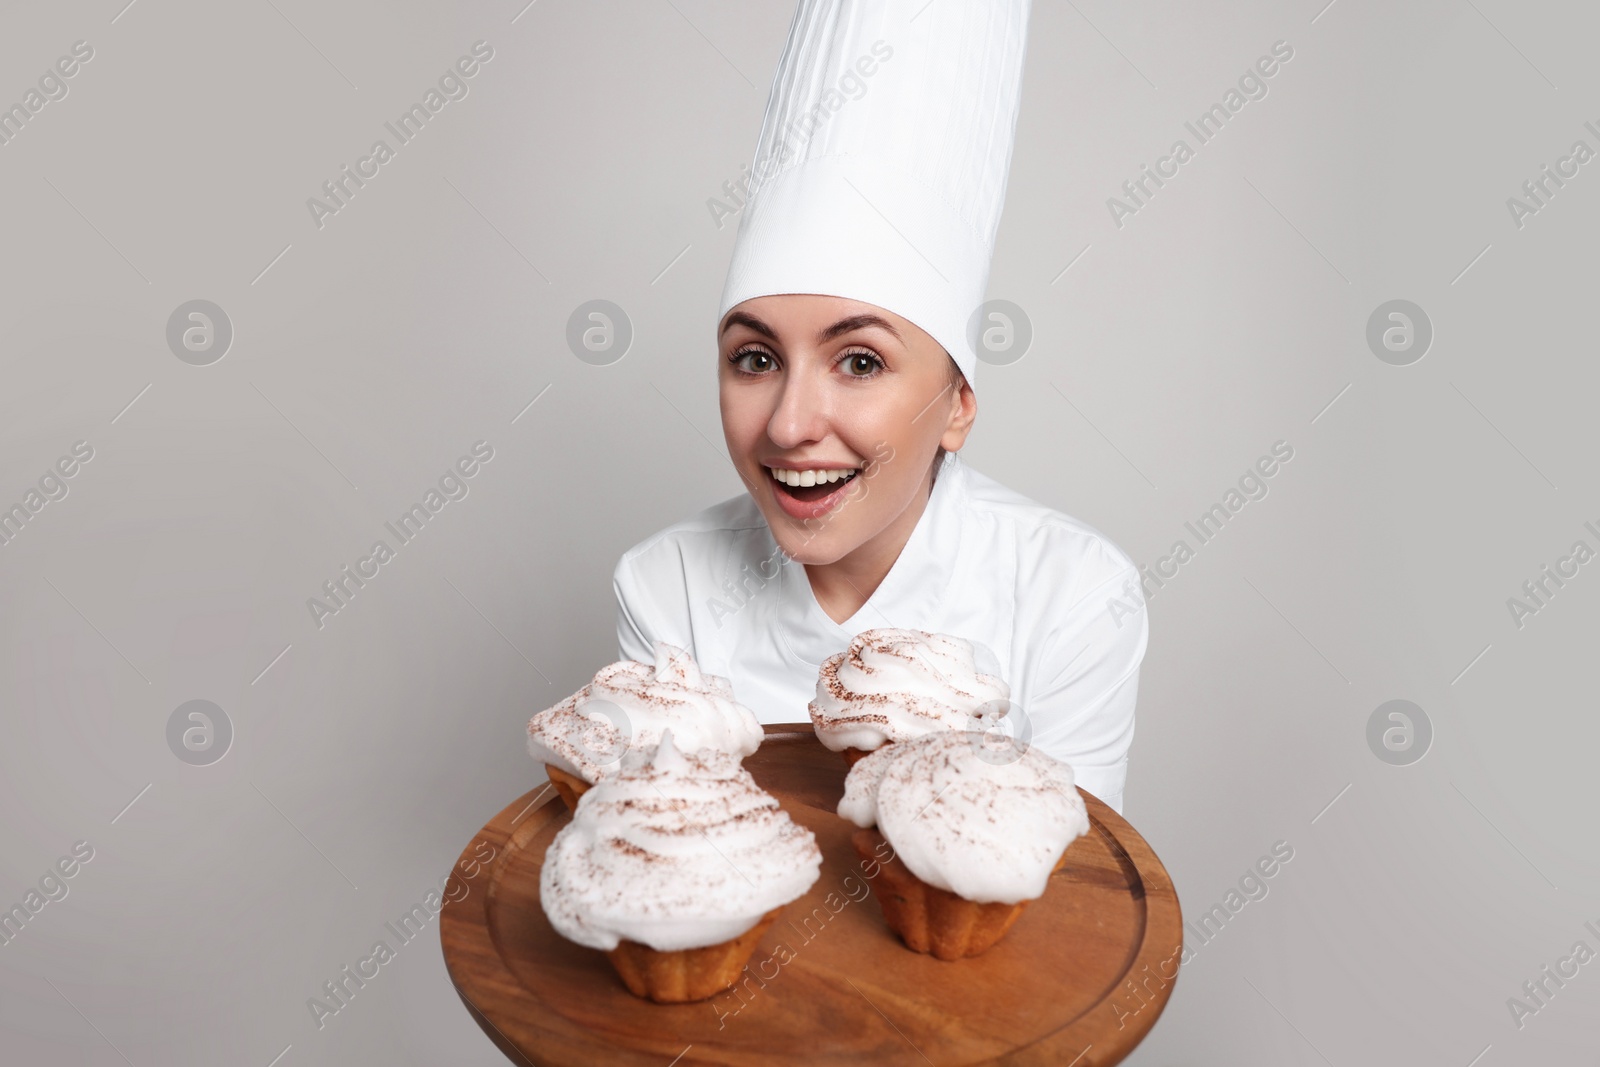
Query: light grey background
(368, 355)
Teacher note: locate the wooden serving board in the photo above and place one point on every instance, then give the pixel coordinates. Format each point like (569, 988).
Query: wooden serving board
(1079, 979)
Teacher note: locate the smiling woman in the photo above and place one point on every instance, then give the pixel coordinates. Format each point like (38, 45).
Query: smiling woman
(845, 380)
(811, 388)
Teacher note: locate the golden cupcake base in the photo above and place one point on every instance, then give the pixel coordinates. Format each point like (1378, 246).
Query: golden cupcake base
(687, 974)
(569, 786)
(933, 920)
(854, 755)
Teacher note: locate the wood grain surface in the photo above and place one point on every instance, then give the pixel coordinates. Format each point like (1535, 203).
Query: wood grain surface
(1079, 979)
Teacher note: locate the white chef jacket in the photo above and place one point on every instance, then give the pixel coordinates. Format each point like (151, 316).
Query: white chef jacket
(1057, 602)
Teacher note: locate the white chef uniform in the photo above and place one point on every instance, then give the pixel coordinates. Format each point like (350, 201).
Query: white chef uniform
(1057, 602)
(880, 175)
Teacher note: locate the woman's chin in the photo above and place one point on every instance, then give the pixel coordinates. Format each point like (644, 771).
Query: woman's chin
(816, 551)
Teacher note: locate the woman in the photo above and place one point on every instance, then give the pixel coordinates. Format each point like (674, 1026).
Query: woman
(845, 373)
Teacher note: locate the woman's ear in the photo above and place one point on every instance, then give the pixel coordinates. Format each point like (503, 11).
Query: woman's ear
(963, 411)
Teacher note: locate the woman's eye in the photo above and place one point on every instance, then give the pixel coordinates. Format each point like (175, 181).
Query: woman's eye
(752, 360)
(862, 364)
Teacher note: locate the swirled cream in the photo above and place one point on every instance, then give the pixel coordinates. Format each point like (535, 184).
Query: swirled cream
(630, 704)
(985, 822)
(891, 684)
(676, 850)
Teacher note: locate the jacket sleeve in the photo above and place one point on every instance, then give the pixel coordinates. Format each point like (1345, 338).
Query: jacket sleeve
(1081, 711)
(652, 602)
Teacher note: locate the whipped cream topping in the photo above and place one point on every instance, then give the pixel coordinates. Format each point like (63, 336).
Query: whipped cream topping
(630, 704)
(676, 850)
(892, 684)
(961, 820)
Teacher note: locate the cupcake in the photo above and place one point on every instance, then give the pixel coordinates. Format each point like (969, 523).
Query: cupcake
(893, 684)
(976, 833)
(629, 705)
(674, 866)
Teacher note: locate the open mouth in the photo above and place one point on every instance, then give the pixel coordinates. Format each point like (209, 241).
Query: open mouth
(810, 487)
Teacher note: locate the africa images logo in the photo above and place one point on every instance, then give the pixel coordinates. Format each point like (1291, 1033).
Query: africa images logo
(52, 86)
(852, 85)
(342, 588)
(1252, 85)
(341, 189)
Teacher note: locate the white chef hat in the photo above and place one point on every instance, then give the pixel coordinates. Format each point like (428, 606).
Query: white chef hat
(881, 168)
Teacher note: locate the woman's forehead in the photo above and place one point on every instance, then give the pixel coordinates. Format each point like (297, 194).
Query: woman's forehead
(799, 316)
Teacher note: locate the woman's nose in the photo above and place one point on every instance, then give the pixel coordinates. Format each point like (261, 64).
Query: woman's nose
(801, 414)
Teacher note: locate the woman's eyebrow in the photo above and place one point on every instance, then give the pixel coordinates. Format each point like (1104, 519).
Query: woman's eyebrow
(741, 318)
(843, 326)
(856, 322)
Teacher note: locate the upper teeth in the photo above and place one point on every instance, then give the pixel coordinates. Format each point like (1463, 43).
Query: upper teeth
(812, 477)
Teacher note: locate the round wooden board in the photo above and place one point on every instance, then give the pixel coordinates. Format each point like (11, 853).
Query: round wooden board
(1079, 979)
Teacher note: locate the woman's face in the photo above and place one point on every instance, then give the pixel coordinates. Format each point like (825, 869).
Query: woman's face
(816, 384)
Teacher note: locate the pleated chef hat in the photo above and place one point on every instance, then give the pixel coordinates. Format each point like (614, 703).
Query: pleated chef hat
(881, 167)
